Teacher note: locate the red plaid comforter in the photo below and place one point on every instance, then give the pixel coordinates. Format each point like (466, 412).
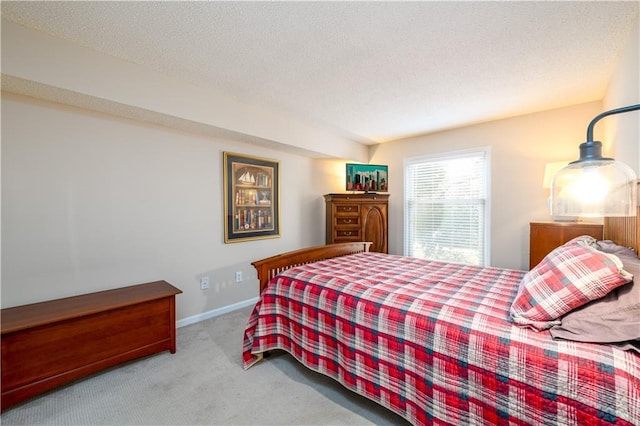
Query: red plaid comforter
(434, 343)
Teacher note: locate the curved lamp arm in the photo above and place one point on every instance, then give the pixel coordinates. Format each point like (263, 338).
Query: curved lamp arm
(592, 150)
(593, 186)
(605, 114)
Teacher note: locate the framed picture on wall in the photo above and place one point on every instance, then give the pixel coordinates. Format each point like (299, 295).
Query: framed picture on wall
(251, 201)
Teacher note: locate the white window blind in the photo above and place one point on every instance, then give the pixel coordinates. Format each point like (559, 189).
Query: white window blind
(446, 214)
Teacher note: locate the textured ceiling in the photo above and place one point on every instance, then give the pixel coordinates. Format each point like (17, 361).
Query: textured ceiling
(371, 71)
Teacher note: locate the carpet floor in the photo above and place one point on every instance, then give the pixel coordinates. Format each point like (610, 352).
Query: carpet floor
(203, 383)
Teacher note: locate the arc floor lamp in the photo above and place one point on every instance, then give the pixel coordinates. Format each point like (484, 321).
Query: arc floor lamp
(595, 186)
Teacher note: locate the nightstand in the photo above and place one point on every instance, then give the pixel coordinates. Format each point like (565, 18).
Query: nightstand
(546, 236)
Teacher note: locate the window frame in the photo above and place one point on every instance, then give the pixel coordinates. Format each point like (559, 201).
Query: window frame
(485, 152)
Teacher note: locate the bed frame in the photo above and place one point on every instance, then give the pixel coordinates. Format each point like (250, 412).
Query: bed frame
(624, 231)
(272, 266)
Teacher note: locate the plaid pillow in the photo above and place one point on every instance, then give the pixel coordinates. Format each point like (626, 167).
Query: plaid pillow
(568, 277)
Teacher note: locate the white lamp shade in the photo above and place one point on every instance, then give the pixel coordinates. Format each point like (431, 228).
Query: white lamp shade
(595, 188)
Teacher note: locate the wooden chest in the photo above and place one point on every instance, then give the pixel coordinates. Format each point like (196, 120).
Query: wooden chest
(47, 344)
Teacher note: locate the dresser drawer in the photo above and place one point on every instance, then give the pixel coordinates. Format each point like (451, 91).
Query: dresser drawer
(348, 233)
(347, 209)
(346, 221)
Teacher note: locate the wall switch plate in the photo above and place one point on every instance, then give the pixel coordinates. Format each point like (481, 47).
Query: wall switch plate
(204, 283)
(239, 276)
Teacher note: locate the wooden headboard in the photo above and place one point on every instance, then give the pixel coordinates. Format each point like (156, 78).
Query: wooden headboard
(624, 231)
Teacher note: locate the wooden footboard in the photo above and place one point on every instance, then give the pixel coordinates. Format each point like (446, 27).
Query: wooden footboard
(271, 266)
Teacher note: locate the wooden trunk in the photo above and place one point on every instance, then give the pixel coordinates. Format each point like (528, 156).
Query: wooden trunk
(47, 344)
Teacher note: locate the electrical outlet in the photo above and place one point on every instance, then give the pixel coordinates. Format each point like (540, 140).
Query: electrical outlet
(204, 283)
(239, 276)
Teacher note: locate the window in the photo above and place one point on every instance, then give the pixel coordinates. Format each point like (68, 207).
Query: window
(446, 213)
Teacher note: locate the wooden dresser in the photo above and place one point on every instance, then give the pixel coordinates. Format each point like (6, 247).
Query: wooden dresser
(47, 344)
(357, 217)
(546, 236)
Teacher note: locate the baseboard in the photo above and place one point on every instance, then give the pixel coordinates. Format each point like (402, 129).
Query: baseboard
(215, 312)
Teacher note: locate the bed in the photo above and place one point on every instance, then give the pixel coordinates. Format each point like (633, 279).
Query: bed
(443, 343)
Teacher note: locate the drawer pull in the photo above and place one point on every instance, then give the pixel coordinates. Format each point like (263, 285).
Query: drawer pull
(347, 209)
(348, 233)
(347, 221)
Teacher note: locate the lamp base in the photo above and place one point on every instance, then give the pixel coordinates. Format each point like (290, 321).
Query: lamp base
(565, 218)
(561, 218)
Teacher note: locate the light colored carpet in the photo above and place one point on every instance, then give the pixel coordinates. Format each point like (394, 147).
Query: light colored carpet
(203, 384)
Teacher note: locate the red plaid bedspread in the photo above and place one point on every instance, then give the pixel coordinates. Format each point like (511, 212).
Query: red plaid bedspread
(434, 343)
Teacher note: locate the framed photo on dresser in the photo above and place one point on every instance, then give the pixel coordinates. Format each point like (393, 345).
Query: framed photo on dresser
(251, 201)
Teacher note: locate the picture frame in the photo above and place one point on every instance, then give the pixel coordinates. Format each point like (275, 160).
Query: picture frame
(369, 178)
(252, 198)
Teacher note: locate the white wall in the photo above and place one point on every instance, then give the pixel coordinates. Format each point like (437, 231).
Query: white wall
(622, 131)
(92, 202)
(520, 148)
(46, 67)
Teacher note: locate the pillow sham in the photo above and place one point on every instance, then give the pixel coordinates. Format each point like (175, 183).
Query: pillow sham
(585, 240)
(614, 318)
(568, 277)
(608, 246)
